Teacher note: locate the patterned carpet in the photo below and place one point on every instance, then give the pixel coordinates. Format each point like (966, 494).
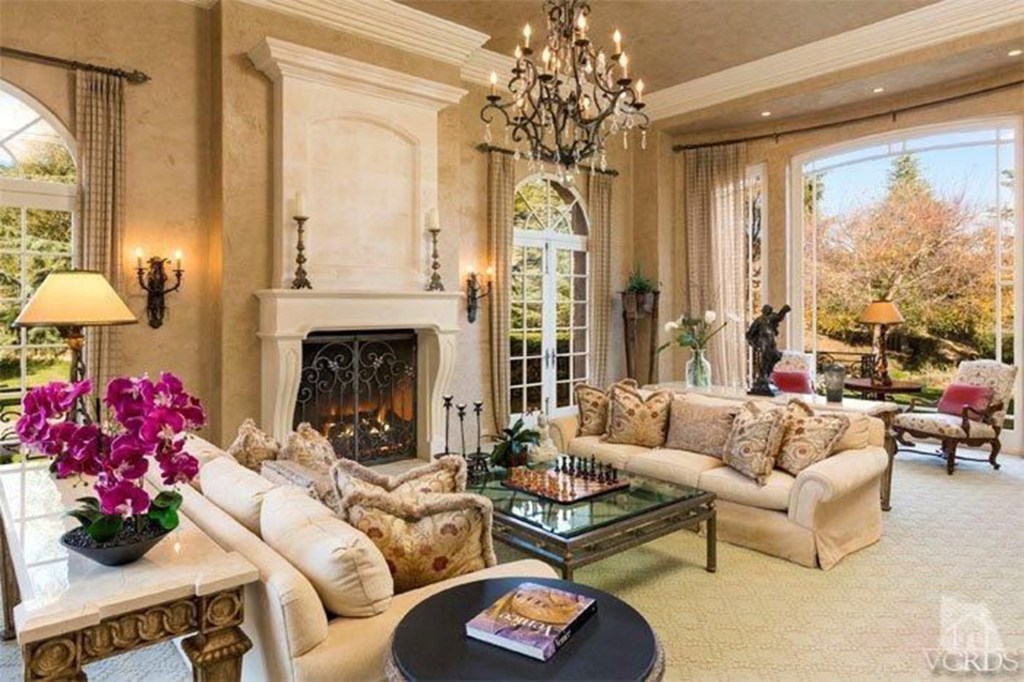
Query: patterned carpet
(873, 616)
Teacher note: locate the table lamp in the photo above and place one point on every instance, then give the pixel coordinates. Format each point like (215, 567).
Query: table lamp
(881, 314)
(71, 300)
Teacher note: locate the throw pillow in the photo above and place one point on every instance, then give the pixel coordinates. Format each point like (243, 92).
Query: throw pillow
(427, 540)
(252, 446)
(320, 485)
(857, 436)
(444, 475)
(699, 428)
(593, 407)
(309, 448)
(754, 441)
(634, 420)
(344, 566)
(958, 396)
(236, 490)
(808, 437)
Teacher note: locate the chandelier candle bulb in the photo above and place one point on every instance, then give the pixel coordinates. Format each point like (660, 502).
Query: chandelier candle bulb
(527, 32)
(640, 91)
(624, 63)
(494, 83)
(617, 39)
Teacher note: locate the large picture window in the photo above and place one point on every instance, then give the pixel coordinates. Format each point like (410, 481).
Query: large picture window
(37, 191)
(549, 307)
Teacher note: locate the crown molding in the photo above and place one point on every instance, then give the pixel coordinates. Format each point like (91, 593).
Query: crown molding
(925, 27)
(482, 62)
(388, 22)
(278, 59)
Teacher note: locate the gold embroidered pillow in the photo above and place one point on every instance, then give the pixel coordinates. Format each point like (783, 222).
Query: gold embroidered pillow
(634, 420)
(252, 447)
(808, 437)
(700, 428)
(426, 540)
(309, 448)
(443, 475)
(754, 441)
(593, 407)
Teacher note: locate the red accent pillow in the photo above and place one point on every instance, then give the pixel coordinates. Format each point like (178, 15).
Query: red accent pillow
(792, 382)
(957, 395)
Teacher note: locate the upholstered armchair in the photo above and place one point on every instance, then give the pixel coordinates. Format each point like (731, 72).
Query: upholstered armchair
(794, 372)
(970, 412)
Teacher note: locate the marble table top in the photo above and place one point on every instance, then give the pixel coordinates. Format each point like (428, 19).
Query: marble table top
(858, 405)
(64, 592)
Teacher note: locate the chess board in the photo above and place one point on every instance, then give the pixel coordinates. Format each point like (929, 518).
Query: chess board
(561, 487)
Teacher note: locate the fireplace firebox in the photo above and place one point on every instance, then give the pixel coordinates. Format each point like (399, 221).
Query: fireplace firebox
(359, 391)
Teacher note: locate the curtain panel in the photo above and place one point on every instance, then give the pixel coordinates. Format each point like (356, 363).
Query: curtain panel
(713, 187)
(99, 219)
(501, 189)
(599, 203)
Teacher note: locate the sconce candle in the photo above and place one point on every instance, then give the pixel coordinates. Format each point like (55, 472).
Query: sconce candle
(300, 204)
(153, 281)
(474, 293)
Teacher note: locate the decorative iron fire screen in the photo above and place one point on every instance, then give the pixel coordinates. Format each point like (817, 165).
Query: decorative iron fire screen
(359, 391)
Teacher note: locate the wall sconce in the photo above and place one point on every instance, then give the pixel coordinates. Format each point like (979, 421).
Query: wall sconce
(153, 280)
(475, 291)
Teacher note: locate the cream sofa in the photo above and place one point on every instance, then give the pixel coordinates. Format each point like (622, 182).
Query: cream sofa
(294, 637)
(829, 510)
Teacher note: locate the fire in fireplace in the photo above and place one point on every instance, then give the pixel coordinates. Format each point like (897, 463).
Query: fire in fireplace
(359, 391)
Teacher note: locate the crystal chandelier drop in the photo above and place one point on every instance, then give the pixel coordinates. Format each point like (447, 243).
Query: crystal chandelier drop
(569, 98)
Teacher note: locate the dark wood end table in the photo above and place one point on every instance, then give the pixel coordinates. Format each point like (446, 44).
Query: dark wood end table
(872, 391)
(430, 643)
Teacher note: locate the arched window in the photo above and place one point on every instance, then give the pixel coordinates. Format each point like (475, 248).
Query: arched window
(549, 346)
(37, 194)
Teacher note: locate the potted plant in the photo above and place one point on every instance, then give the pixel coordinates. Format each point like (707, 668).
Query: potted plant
(148, 424)
(638, 296)
(694, 333)
(513, 445)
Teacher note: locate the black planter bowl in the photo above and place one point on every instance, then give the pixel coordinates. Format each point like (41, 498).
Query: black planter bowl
(123, 549)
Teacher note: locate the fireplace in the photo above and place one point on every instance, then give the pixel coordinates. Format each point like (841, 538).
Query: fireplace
(359, 391)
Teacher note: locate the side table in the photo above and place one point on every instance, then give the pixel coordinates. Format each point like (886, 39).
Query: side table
(880, 392)
(69, 611)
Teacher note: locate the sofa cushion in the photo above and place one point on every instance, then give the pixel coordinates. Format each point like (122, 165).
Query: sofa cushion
(444, 475)
(733, 486)
(347, 570)
(309, 448)
(754, 441)
(634, 419)
(699, 428)
(320, 485)
(608, 453)
(858, 436)
(236, 490)
(673, 466)
(593, 407)
(808, 438)
(252, 446)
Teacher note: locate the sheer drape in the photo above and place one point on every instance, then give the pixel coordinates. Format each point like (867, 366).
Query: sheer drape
(599, 203)
(99, 218)
(501, 188)
(714, 179)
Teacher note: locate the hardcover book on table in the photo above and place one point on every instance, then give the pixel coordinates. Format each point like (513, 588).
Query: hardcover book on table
(533, 620)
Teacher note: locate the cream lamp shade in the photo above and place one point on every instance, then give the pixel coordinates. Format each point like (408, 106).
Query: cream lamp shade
(75, 298)
(881, 312)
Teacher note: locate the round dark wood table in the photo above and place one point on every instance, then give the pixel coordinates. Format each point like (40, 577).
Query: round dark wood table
(430, 643)
(870, 391)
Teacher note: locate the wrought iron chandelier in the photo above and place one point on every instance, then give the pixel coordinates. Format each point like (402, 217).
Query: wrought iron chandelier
(565, 104)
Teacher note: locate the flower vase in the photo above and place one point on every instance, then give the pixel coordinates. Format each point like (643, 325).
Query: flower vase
(698, 369)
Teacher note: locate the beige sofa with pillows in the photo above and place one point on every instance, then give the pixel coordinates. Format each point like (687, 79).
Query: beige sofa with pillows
(326, 603)
(790, 482)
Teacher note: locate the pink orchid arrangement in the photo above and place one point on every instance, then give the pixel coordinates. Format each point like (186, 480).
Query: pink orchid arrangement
(149, 423)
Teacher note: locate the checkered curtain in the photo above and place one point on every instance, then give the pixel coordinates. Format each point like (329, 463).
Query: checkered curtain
(599, 203)
(99, 220)
(714, 179)
(501, 189)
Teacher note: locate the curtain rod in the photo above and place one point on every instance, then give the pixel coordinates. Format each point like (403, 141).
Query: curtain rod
(484, 147)
(130, 76)
(856, 119)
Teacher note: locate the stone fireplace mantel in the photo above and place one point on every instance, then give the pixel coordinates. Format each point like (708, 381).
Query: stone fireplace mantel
(288, 316)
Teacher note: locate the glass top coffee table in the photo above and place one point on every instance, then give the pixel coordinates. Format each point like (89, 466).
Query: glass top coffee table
(572, 535)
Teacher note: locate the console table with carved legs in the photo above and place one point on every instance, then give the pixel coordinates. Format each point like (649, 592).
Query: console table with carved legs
(67, 611)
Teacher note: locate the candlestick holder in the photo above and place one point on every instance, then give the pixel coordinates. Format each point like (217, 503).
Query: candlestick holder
(478, 408)
(461, 409)
(301, 281)
(447, 399)
(435, 263)
(153, 281)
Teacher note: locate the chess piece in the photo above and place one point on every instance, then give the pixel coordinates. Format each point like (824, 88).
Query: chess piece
(593, 467)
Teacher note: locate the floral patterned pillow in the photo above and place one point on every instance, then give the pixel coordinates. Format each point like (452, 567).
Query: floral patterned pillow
(695, 427)
(309, 448)
(593, 406)
(252, 446)
(754, 441)
(444, 475)
(635, 420)
(808, 438)
(426, 540)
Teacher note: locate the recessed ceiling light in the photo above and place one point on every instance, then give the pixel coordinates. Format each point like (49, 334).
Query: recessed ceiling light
(878, 90)
(1014, 53)
(766, 113)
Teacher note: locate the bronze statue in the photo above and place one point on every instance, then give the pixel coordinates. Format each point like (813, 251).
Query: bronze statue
(762, 336)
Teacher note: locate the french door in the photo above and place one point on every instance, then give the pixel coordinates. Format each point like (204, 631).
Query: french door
(549, 344)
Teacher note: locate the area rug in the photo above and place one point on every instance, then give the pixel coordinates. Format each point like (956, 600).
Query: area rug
(952, 543)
